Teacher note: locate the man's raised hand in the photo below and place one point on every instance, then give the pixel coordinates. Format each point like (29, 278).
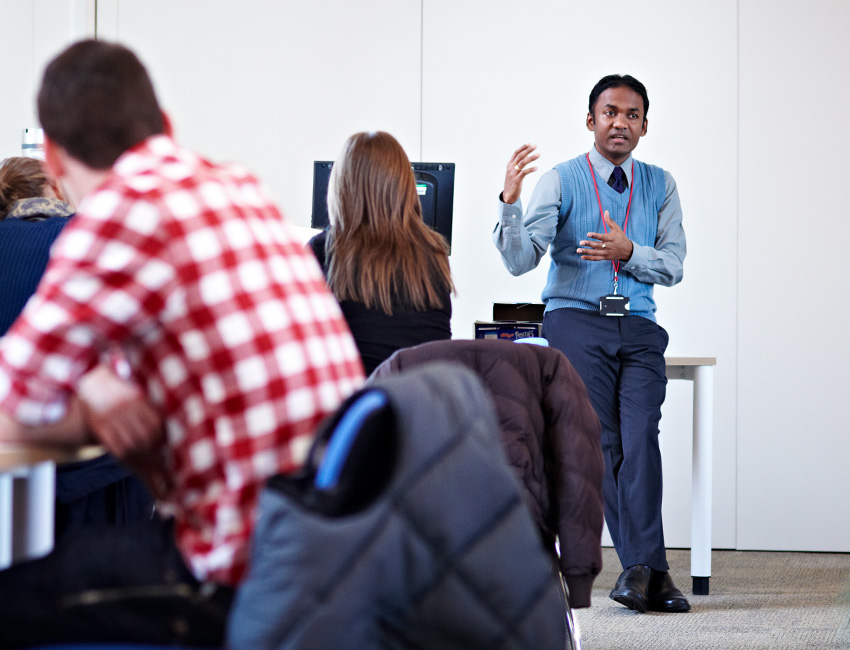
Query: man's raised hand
(518, 169)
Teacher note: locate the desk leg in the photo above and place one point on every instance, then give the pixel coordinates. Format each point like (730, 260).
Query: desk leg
(701, 482)
(40, 508)
(6, 507)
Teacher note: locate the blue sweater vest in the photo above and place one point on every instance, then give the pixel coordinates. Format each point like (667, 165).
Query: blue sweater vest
(578, 283)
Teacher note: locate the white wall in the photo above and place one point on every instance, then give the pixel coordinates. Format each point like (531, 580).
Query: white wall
(277, 85)
(32, 33)
(792, 224)
(731, 83)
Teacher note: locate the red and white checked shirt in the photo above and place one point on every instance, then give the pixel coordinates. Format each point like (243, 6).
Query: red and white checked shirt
(225, 318)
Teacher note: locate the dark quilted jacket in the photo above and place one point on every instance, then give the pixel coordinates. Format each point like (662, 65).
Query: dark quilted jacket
(445, 556)
(551, 435)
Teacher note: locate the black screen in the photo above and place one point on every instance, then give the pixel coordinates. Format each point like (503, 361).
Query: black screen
(435, 183)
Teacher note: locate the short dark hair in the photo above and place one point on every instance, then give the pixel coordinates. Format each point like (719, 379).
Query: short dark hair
(97, 101)
(618, 81)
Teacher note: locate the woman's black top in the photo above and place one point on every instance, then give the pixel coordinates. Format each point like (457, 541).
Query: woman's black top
(377, 334)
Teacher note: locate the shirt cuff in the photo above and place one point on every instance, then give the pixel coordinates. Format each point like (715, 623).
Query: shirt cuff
(639, 258)
(25, 400)
(511, 213)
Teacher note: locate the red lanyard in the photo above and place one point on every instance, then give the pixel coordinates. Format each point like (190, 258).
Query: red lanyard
(614, 263)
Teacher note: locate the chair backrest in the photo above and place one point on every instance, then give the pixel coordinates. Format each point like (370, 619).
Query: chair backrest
(444, 554)
(550, 434)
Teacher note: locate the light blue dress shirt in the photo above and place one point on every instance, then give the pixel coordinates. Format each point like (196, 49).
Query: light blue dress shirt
(523, 242)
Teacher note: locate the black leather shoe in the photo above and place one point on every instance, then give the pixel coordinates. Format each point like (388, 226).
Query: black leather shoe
(663, 595)
(632, 587)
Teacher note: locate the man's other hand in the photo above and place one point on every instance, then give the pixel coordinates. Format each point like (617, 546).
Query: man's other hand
(119, 414)
(611, 245)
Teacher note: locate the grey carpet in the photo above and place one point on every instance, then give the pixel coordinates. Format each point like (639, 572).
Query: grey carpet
(758, 600)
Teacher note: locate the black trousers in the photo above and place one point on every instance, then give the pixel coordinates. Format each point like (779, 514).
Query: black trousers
(621, 361)
(106, 584)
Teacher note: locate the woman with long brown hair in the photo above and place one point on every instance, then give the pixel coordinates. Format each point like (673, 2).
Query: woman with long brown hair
(388, 270)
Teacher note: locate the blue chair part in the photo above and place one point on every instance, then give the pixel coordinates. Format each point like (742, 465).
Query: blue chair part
(344, 435)
(534, 340)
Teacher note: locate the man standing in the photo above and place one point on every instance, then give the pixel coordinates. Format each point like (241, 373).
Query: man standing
(228, 329)
(613, 227)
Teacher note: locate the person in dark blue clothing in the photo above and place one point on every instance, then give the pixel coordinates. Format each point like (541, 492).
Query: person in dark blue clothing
(33, 212)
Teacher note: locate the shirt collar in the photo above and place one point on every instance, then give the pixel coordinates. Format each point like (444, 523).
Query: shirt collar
(145, 155)
(39, 208)
(604, 167)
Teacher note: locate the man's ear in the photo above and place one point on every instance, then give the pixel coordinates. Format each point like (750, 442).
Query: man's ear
(167, 129)
(645, 124)
(53, 158)
(591, 125)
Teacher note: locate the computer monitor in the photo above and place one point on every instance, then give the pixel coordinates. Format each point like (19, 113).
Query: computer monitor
(435, 183)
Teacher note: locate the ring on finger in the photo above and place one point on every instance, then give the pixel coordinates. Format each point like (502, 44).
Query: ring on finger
(603, 245)
(518, 168)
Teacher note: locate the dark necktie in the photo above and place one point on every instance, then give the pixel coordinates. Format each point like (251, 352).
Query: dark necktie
(618, 180)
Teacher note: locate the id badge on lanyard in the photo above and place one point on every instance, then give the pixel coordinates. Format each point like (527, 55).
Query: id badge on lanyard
(614, 304)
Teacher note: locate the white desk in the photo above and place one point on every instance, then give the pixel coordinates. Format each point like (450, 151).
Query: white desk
(699, 370)
(27, 494)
